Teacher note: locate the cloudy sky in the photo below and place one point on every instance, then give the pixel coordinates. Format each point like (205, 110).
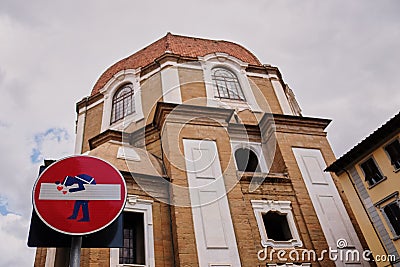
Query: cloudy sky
(341, 58)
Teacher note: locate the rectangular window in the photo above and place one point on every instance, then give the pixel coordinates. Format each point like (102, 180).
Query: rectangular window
(392, 212)
(276, 226)
(371, 172)
(393, 151)
(133, 251)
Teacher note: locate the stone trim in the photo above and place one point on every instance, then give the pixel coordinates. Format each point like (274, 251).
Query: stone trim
(190, 114)
(261, 207)
(104, 137)
(372, 212)
(294, 124)
(135, 204)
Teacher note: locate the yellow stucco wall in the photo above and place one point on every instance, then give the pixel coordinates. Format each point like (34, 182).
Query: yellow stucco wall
(376, 192)
(385, 187)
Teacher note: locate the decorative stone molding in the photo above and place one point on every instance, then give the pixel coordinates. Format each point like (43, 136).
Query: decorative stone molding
(261, 207)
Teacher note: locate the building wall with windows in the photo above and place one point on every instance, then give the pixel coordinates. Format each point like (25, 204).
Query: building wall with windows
(370, 176)
(219, 162)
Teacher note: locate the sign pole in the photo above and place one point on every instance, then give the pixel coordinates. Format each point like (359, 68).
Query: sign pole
(75, 254)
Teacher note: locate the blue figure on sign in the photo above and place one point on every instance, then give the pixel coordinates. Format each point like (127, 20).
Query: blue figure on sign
(80, 181)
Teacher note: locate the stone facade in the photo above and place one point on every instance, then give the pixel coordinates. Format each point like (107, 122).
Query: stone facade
(181, 111)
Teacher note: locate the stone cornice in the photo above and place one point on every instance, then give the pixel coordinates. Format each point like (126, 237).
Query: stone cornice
(190, 114)
(106, 136)
(243, 131)
(87, 101)
(293, 124)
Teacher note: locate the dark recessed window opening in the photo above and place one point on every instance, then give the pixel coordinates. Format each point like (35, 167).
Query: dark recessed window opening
(392, 212)
(123, 103)
(227, 84)
(133, 251)
(393, 150)
(246, 160)
(371, 172)
(276, 226)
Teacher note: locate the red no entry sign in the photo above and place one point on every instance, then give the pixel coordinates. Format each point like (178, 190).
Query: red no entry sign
(79, 195)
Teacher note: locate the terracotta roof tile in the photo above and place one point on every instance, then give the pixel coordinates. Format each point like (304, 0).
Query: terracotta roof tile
(179, 45)
(367, 145)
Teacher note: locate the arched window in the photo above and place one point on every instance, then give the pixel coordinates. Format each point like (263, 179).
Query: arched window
(246, 160)
(227, 84)
(123, 102)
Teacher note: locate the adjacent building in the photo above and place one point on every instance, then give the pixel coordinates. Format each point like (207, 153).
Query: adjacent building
(221, 167)
(370, 176)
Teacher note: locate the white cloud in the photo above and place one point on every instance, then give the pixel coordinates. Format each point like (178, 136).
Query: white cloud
(14, 251)
(54, 143)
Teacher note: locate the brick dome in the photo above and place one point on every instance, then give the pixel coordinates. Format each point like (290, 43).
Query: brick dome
(189, 47)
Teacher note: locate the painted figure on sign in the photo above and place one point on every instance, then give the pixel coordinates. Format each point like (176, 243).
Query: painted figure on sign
(79, 182)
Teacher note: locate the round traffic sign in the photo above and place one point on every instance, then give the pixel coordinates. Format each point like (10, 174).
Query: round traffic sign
(79, 195)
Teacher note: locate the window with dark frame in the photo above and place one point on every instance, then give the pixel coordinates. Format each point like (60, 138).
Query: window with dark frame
(247, 160)
(393, 151)
(227, 84)
(392, 212)
(123, 103)
(133, 251)
(277, 226)
(371, 172)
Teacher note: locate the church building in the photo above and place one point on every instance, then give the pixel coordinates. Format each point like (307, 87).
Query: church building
(221, 167)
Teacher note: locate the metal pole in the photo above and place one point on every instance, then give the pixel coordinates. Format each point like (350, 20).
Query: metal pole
(75, 253)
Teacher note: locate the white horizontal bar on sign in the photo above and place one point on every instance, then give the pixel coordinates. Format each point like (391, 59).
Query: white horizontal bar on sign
(49, 191)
